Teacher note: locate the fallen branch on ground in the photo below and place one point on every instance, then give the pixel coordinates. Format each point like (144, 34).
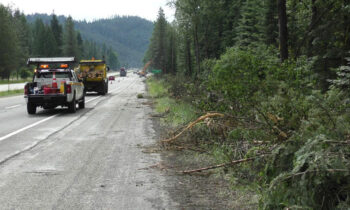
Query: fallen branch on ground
(189, 126)
(189, 148)
(219, 166)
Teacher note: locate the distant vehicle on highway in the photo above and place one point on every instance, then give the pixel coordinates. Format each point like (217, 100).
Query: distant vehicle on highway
(111, 78)
(122, 72)
(94, 75)
(54, 84)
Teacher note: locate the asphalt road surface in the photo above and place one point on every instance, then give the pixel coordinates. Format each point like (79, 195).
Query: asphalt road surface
(91, 159)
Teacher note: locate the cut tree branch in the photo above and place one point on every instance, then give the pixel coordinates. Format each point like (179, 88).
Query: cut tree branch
(219, 166)
(189, 126)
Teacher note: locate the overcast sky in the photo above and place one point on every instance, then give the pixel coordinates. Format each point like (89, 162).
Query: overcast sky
(92, 10)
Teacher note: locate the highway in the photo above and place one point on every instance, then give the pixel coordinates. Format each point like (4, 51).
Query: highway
(91, 159)
(18, 86)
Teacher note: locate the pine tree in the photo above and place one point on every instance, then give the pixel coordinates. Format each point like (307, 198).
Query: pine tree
(271, 23)
(50, 45)
(112, 59)
(23, 37)
(8, 44)
(39, 35)
(56, 29)
(44, 44)
(283, 31)
(80, 44)
(172, 50)
(249, 30)
(158, 52)
(70, 45)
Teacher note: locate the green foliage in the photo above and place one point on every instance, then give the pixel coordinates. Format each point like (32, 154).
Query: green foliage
(249, 30)
(275, 111)
(295, 112)
(128, 36)
(44, 44)
(177, 112)
(25, 73)
(293, 116)
(8, 42)
(24, 38)
(157, 88)
(45, 37)
(317, 176)
(343, 77)
(237, 75)
(70, 44)
(162, 48)
(57, 30)
(11, 93)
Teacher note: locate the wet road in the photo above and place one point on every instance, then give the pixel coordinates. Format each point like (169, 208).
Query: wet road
(87, 160)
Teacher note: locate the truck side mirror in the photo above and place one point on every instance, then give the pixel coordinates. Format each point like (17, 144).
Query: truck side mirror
(108, 68)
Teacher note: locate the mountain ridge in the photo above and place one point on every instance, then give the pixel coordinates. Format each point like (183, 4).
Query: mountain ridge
(128, 35)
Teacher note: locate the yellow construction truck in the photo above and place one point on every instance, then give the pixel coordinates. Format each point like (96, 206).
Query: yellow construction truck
(93, 73)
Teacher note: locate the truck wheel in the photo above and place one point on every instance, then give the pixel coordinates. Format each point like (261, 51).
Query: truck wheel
(82, 102)
(31, 108)
(106, 88)
(103, 88)
(72, 106)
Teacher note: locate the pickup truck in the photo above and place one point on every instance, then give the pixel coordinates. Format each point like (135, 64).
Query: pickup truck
(54, 84)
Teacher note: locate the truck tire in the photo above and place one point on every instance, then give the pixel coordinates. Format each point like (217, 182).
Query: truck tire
(31, 108)
(72, 106)
(82, 102)
(103, 89)
(106, 87)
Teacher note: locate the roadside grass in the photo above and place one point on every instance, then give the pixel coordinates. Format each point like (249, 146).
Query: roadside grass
(13, 81)
(157, 88)
(177, 112)
(11, 93)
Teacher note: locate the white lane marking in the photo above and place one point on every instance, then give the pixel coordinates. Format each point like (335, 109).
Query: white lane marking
(39, 122)
(26, 128)
(113, 90)
(92, 99)
(14, 106)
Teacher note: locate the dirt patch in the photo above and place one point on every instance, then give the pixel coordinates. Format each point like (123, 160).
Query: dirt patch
(204, 190)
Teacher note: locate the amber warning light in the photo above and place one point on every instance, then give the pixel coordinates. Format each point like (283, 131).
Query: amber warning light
(64, 65)
(44, 66)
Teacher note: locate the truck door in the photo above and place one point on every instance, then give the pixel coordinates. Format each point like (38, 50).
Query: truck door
(77, 86)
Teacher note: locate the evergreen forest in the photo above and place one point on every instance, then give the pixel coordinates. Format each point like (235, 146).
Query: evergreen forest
(278, 72)
(121, 41)
(127, 35)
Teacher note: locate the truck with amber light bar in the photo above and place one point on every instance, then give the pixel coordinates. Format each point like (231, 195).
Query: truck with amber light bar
(54, 84)
(94, 75)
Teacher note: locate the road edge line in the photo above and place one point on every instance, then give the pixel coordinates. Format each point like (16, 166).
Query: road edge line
(26, 128)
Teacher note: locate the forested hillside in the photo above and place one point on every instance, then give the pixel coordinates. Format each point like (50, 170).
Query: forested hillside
(277, 73)
(128, 35)
(20, 40)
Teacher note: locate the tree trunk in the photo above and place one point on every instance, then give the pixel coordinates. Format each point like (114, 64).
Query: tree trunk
(188, 57)
(312, 24)
(283, 31)
(196, 43)
(271, 23)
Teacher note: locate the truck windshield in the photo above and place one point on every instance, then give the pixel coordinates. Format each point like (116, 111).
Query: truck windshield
(57, 74)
